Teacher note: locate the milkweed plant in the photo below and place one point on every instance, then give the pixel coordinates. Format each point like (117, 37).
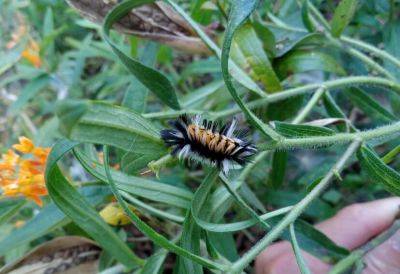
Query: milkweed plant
(206, 129)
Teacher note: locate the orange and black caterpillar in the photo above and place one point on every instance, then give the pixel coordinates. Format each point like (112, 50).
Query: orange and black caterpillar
(202, 140)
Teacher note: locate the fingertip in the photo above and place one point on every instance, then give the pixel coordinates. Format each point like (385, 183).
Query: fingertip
(355, 224)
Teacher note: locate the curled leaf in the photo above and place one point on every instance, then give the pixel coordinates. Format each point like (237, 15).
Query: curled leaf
(155, 21)
(64, 254)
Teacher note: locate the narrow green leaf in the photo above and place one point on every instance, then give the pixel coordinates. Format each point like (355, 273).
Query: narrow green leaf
(240, 11)
(266, 36)
(101, 123)
(149, 189)
(152, 79)
(154, 263)
(29, 92)
(151, 233)
(252, 50)
(136, 94)
(333, 109)
(49, 218)
(390, 156)
(190, 240)
(291, 130)
(378, 170)
(9, 208)
(305, 16)
(9, 58)
(342, 16)
(277, 173)
(369, 105)
(297, 251)
(298, 61)
(391, 40)
(135, 97)
(80, 211)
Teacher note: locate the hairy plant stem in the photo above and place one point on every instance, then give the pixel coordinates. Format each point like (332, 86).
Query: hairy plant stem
(311, 103)
(339, 138)
(354, 42)
(357, 254)
(297, 210)
(285, 94)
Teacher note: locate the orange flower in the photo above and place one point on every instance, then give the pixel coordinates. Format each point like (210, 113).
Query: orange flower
(24, 176)
(31, 53)
(25, 145)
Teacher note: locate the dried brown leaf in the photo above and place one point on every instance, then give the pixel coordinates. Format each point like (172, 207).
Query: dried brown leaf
(157, 22)
(66, 255)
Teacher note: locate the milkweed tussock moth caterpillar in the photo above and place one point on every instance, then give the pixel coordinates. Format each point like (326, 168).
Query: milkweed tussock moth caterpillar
(203, 141)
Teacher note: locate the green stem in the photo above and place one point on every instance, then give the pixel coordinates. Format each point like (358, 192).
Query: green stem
(336, 42)
(370, 48)
(285, 94)
(154, 211)
(340, 138)
(332, 84)
(240, 264)
(242, 203)
(357, 254)
(297, 251)
(148, 231)
(311, 103)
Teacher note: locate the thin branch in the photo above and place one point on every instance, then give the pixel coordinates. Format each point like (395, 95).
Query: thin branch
(298, 209)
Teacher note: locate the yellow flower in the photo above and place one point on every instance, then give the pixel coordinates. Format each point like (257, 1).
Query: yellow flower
(114, 215)
(24, 176)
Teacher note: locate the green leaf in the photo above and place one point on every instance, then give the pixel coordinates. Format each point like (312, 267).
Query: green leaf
(8, 208)
(342, 16)
(155, 81)
(151, 233)
(9, 58)
(240, 11)
(101, 123)
(236, 71)
(297, 251)
(49, 218)
(80, 211)
(252, 50)
(154, 263)
(288, 40)
(266, 37)
(291, 130)
(391, 155)
(391, 40)
(29, 92)
(277, 173)
(298, 61)
(305, 16)
(149, 189)
(378, 170)
(225, 244)
(190, 240)
(135, 97)
(369, 105)
(333, 109)
(316, 243)
(136, 94)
